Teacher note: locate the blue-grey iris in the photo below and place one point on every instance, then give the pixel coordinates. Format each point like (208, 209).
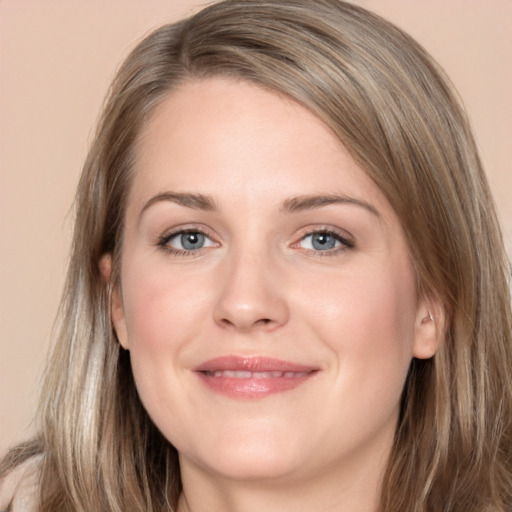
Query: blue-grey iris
(323, 241)
(191, 241)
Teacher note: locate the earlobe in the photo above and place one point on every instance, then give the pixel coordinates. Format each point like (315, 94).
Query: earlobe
(429, 329)
(118, 317)
(116, 302)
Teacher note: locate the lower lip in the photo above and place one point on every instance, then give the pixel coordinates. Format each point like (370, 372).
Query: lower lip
(249, 388)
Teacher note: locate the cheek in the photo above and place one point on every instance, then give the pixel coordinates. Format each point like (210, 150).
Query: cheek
(161, 308)
(162, 318)
(367, 319)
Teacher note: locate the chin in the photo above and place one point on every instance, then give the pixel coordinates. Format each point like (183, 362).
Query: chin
(255, 456)
(255, 469)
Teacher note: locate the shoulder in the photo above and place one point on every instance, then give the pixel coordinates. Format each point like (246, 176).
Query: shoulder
(19, 488)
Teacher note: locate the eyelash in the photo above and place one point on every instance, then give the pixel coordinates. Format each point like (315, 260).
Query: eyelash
(345, 243)
(163, 241)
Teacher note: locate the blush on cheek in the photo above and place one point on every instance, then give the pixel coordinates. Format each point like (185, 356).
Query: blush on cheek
(149, 308)
(379, 320)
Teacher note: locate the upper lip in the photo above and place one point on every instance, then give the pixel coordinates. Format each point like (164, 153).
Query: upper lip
(251, 364)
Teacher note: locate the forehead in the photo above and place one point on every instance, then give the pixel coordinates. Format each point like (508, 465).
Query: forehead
(236, 140)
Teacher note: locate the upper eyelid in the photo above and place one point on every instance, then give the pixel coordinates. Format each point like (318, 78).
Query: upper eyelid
(341, 233)
(187, 228)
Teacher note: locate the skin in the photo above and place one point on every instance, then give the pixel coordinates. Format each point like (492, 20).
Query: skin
(260, 287)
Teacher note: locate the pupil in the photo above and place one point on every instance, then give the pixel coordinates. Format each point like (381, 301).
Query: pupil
(323, 241)
(191, 241)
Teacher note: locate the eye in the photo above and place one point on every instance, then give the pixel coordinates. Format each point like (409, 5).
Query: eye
(186, 241)
(324, 241)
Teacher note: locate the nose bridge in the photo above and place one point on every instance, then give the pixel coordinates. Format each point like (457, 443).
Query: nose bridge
(250, 296)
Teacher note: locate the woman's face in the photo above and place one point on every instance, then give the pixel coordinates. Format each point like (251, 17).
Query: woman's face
(267, 295)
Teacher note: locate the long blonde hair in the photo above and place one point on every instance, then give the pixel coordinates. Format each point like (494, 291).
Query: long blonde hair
(390, 105)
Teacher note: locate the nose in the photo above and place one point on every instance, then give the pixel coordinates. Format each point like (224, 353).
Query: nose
(251, 295)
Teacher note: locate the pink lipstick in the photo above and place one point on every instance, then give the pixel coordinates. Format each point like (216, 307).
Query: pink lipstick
(252, 377)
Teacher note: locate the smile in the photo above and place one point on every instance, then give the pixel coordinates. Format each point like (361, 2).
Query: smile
(255, 375)
(252, 377)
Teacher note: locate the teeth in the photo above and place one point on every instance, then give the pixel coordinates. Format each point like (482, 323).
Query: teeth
(267, 375)
(235, 374)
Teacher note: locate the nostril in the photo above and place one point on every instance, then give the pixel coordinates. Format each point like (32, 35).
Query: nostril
(263, 322)
(226, 322)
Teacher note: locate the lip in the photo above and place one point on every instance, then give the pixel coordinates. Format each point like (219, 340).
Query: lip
(252, 377)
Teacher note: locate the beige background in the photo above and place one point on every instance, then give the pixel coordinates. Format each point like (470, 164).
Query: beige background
(56, 60)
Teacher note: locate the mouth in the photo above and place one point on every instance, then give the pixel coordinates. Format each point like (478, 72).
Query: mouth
(233, 374)
(252, 377)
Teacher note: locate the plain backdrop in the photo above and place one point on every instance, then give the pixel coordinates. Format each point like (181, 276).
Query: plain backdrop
(57, 58)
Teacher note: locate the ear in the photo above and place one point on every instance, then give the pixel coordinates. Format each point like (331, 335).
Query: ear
(430, 328)
(116, 302)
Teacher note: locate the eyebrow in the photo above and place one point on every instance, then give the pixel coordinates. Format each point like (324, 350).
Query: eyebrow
(292, 205)
(311, 202)
(194, 201)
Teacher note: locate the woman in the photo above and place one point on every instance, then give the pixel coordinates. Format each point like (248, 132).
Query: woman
(287, 288)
